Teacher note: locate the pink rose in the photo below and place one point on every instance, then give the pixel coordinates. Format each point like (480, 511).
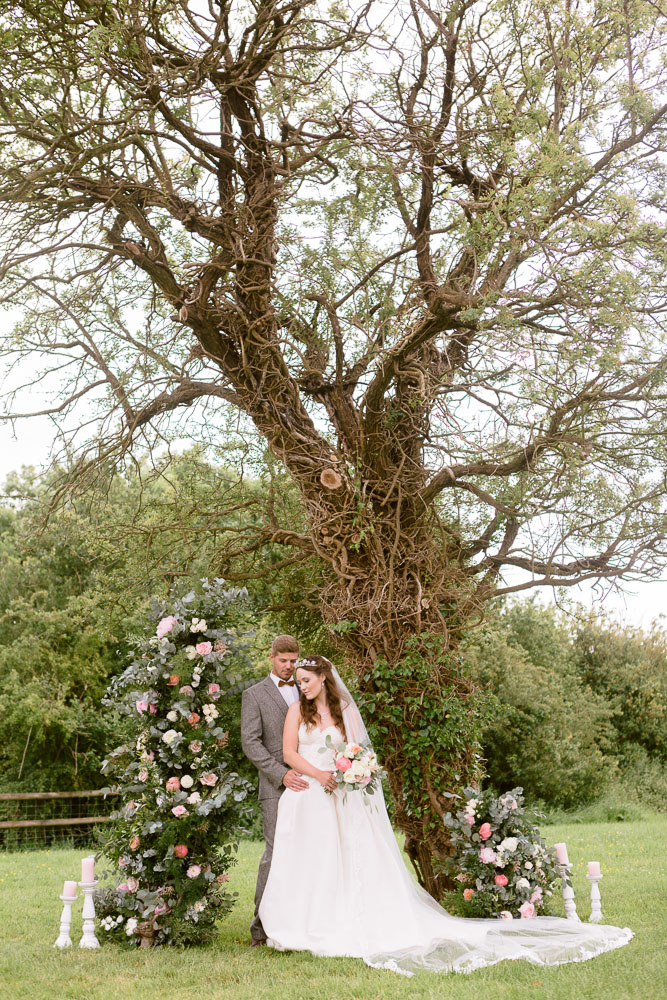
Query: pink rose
(214, 691)
(165, 625)
(195, 746)
(536, 896)
(162, 908)
(500, 880)
(343, 764)
(203, 648)
(485, 831)
(468, 894)
(527, 910)
(152, 708)
(209, 778)
(141, 705)
(194, 871)
(364, 782)
(187, 691)
(143, 774)
(470, 820)
(180, 850)
(488, 856)
(122, 887)
(179, 811)
(122, 861)
(173, 784)
(132, 885)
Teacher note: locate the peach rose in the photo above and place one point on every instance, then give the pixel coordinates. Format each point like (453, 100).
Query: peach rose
(173, 681)
(173, 784)
(485, 831)
(194, 719)
(180, 850)
(134, 843)
(468, 894)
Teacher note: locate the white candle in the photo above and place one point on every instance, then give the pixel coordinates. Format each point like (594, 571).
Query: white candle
(88, 869)
(594, 868)
(69, 890)
(561, 854)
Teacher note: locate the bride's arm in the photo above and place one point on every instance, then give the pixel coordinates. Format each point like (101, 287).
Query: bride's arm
(294, 759)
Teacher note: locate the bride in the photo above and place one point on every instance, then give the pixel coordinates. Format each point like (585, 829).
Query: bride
(338, 884)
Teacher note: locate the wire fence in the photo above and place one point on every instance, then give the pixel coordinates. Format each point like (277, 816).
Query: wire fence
(41, 819)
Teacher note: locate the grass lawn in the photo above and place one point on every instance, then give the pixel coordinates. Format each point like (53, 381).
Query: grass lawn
(633, 889)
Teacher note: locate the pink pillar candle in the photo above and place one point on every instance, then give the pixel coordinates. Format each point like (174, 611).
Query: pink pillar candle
(88, 869)
(69, 890)
(561, 854)
(594, 868)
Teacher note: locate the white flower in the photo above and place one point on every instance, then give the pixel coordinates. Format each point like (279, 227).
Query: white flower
(190, 652)
(211, 713)
(199, 905)
(508, 845)
(528, 865)
(522, 883)
(350, 777)
(172, 716)
(170, 736)
(194, 798)
(130, 926)
(187, 781)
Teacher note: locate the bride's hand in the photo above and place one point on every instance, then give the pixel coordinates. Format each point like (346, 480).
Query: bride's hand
(327, 780)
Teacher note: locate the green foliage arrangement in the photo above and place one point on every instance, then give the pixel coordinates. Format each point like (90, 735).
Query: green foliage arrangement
(501, 862)
(183, 803)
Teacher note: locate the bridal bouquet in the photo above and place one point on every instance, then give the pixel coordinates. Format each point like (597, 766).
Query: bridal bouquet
(356, 766)
(502, 863)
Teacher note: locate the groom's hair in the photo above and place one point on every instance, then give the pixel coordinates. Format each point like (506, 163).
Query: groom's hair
(284, 644)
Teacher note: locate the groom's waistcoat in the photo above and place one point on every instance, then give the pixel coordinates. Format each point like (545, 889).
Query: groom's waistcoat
(263, 712)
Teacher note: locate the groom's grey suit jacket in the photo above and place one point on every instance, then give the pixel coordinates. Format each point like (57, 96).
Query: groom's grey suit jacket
(263, 711)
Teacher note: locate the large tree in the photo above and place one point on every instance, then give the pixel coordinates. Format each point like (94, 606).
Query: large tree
(418, 246)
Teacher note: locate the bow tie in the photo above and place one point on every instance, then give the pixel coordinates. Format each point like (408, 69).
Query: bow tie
(289, 684)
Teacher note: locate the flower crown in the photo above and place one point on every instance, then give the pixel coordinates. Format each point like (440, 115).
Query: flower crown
(305, 663)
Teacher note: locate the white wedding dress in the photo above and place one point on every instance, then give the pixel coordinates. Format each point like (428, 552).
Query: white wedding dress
(338, 886)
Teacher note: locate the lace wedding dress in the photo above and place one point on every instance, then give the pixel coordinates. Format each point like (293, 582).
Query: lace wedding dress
(338, 886)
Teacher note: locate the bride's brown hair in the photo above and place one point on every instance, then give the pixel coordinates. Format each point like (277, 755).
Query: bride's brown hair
(323, 668)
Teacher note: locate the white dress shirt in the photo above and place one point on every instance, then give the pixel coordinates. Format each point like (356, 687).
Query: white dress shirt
(289, 694)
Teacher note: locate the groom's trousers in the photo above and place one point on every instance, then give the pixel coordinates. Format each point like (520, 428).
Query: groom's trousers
(269, 817)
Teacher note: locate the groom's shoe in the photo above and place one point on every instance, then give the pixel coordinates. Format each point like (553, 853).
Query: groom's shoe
(257, 942)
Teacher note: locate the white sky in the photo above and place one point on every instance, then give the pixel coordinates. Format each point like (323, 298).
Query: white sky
(30, 442)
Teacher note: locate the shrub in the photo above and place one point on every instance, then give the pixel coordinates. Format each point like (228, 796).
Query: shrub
(182, 801)
(501, 862)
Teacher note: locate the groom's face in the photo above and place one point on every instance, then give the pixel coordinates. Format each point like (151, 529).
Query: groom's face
(282, 664)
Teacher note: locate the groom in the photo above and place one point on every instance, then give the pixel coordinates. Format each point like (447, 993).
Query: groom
(263, 710)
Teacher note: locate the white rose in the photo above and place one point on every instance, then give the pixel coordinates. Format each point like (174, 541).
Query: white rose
(194, 627)
(350, 777)
(190, 652)
(172, 716)
(522, 883)
(202, 625)
(130, 926)
(194, 798)
(509, 844)
(528, 865)
(187, 781)
(199, 905)
(170, 736)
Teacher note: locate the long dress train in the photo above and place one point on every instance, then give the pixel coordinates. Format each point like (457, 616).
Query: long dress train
(338, 886)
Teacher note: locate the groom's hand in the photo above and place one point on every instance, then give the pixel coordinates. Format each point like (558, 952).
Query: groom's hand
(294, 781)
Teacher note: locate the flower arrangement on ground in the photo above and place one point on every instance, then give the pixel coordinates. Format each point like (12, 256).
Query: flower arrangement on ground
(171, 842)
(356, 766)
(501, 862)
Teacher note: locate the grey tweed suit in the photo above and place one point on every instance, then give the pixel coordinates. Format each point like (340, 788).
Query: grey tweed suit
(263, 712)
